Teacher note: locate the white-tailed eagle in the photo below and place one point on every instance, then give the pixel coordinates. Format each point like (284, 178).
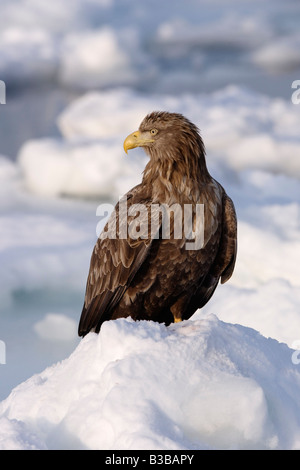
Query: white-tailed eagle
(156, 274)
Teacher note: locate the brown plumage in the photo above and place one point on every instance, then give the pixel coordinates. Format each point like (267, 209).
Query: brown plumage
(151, 276)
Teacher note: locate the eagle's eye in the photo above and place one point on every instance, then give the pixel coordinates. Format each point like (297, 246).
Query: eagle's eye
(153, 131)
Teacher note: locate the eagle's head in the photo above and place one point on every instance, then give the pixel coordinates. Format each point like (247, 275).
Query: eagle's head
(166, 135)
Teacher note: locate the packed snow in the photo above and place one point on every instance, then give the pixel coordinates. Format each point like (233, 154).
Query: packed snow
(229, 378)
(198, 385)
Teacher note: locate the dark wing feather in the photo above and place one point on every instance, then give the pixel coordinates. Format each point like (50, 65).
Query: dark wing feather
(223, 265)
(229, 240)
(114, 263)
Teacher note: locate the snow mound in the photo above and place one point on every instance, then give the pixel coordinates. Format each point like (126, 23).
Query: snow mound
(27, 54)
(280, 55)
(94, 58)
(53, 167)
(105, 114)
(56, 327)
(202, 384)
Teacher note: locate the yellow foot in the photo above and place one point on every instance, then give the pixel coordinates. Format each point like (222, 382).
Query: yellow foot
(177, 320)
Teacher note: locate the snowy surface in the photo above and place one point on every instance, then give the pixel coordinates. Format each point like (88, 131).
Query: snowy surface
(198, 385)
(230, 376)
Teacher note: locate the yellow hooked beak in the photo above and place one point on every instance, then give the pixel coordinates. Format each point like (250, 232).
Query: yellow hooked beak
(136, 139)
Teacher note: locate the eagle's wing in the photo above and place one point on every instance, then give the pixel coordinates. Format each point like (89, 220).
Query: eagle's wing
(228, 246)
(223, 265)
(114, 263)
